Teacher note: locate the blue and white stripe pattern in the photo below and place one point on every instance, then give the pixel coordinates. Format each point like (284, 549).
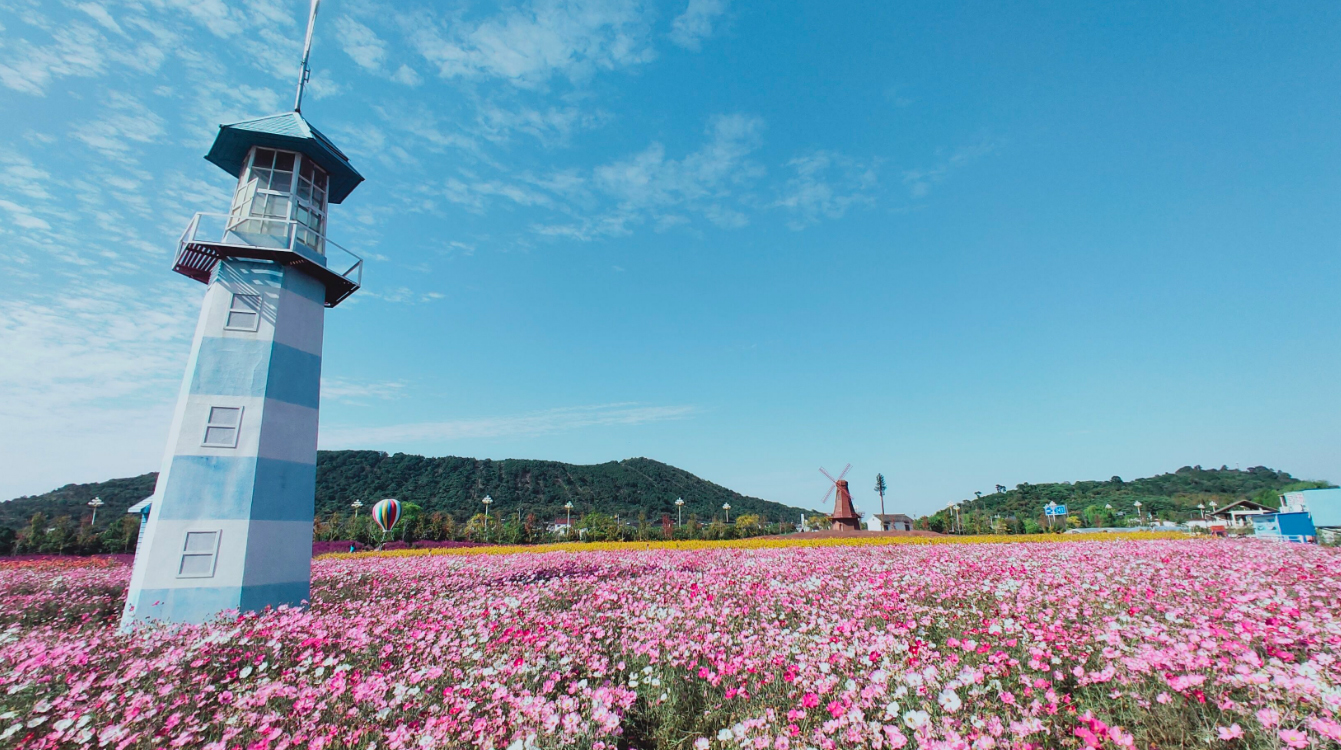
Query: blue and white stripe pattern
(246, 497)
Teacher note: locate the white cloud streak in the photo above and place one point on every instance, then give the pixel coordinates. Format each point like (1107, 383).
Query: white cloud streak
(825, 185)
(361, 43)
(530, 44)
(696, 23)
(88, 380)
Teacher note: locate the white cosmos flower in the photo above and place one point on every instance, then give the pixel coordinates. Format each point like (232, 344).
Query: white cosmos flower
(915, 719)
(892, 709)
(949, 700)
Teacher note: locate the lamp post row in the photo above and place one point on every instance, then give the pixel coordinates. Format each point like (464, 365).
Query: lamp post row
(488, 500)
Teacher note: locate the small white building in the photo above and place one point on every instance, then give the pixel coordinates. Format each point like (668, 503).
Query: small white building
(1238, 514)
(889, 522)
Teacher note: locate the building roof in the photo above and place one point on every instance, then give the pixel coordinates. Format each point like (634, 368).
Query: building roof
(141, 506)
(893, 517)
(1242, 505)
(289, 131)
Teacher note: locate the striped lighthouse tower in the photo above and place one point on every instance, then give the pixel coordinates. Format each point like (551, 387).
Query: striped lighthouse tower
(229, 526)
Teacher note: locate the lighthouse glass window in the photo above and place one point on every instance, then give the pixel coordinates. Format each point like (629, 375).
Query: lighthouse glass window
(262, 202)
(310, 212)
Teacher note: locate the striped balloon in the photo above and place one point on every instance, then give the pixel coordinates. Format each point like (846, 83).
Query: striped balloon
(386, 513)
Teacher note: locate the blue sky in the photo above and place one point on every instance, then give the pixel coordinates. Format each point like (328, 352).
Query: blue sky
(954, 243)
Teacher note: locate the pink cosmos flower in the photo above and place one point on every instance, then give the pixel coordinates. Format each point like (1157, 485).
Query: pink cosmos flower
(1121, 738)
(1326, 727)
(895, 737)
(1269, 717)
(1293, 738)
(1231, 732)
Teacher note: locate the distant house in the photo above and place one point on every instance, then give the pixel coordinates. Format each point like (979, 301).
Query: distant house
(141, 509)
(1239, 514)
(1285, 527)
(559, 527)
(1323, 505)
(890, 522)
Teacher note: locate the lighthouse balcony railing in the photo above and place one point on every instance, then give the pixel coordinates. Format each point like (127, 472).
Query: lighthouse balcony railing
(210, 237)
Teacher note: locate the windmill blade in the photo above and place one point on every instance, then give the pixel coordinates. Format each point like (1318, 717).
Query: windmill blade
(846, 469)
(827, 492)
(827, 474)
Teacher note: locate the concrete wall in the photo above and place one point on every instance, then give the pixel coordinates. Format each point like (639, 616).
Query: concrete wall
(257, 497)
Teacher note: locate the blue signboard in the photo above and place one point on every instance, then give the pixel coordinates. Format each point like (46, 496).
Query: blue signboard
(1054, 510)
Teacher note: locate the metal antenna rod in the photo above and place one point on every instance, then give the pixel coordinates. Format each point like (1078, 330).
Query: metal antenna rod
(305, 72)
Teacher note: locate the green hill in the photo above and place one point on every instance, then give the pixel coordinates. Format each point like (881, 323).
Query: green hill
(456, 485)
(453, 485)
(1173, 497)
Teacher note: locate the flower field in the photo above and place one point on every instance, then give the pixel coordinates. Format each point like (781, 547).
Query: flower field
(1105, 644)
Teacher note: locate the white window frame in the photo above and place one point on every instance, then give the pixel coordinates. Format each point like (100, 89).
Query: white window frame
(232, 308)
(237, 428)
(213, 554)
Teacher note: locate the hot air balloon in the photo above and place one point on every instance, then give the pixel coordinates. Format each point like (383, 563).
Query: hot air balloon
(386, 513)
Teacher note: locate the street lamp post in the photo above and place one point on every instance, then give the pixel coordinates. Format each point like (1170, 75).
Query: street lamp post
(95, 504)
(679, 511)
(487, 502)
(356, 505)
(727, 507)
(568, 506)
(1140, 520)
(1202, 507)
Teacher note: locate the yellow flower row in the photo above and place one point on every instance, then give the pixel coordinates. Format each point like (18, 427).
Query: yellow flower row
(756, 543)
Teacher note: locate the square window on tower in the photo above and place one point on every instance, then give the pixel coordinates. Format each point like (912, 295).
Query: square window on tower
(244, 313)
(222, 428)
(199, 554)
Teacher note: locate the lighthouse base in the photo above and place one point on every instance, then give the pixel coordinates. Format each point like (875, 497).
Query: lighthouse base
(230, 523)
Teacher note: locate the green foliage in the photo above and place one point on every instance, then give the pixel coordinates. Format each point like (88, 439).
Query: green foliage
(456, 486)
(72, 500)
(436, 495)
(1172, 497)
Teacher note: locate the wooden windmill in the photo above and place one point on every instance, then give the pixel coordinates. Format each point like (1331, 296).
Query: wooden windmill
(844, 516)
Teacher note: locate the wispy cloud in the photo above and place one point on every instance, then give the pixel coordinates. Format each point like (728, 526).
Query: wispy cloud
(697, 22)
(533, 423)
(919, 181)
(74, 50)
(530, 44)
(825, 185)
(361, 43)
(356, 392)
(88, 380)
(127, 122)
(648, 187)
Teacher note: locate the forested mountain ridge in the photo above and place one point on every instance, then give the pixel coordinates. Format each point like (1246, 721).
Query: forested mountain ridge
(452, 485)
(1172, 496)
(457, 485)
(72, 500)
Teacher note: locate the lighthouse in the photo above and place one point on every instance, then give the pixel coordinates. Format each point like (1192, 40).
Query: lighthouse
(229, 526)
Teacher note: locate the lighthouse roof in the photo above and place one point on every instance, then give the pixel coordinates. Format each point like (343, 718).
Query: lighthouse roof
(287, 131)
